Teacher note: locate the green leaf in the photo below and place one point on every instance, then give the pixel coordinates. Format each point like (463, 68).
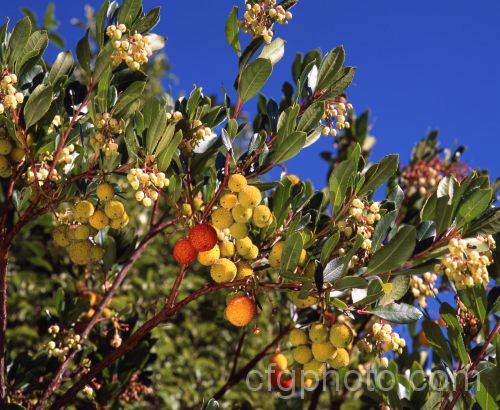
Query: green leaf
(100, 22)
(253, 78)
(397, 313)
(128, 11)
(131, 141)
(83, 52)
(397, 252)
(33, 50)
(192, 103)
(330, 67)
(488, 224)
(59, 300)
(156, 129)
(486, 389)
(275, 51)
(232, 30)
(386, 222)
(212, 405)
(339, 182)
(340, 83)
(49, 20)
(103, 88)
(18, 39)
(399, 287)
(102, 62)
(311, 117)
(149, 21)
(61, 67)
(329, 247)
(476, 300)
(38, 104)
(166, 156)
(475, 204)
(334, 269)
(377, 174)
(437, 340)
(132, 94)
(351, 282)
(291, 252)
(290, 147)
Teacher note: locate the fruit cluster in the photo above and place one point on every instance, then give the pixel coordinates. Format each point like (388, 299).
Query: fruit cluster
(147, 183)
(133, 49)
(10, 97)
(62, 344)
(79, 226)
(322, 344)
(423, 286)
(108, 129)
(335, 116)
(466, 265)
(260, 16)
(10, 154)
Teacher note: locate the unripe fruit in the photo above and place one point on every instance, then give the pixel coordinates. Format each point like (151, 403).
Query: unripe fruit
(184, 252)
(314, 368)
(240, 311)
(186, 210)
(280, 360)
(208, 258)
(223, 271)
(318, 333)
(229, 200)
(322, 351)
(241, 214)
(59, 236)
(226, 249)
(203, 237)
(250, 197)
(198, 203)
(275, 255)
(262, 216)
(82, 232)
(341, 335)
(239, 230)
(4, 164)
(302, 354)
(244, 269)
(237, 182)
(17, 154)
(114, 209)
(5, 147)
(297, 337)
(120, 222)
(99, 220)
(302, 303)
(83, 210)
(243, 245)
(222, 218)
(339, 359)
(252, 253)
(79, 252)
(96, 253)
(105, 192)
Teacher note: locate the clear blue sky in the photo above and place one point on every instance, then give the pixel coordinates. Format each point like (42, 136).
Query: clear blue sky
(421, 64)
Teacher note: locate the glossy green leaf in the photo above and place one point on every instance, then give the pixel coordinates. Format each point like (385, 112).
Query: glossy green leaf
(253, 78)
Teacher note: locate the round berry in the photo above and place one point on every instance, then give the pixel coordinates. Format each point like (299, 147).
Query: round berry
(203, 237)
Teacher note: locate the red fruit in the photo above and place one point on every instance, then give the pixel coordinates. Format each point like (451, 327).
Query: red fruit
(281, 380)
(203, 237)
(184, 252)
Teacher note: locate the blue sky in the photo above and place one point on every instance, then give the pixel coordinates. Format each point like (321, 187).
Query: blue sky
(420, 65)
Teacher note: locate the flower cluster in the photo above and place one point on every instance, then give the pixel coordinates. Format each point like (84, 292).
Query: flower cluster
(10, 97)
(382, 339)
(423, 286)
(259, 18)
(422, 176)
(108, 129)
(320, 345)
(62, 343)
(466, 264)
(147, 183)
(10, 154)
(43, 166)
(335, 116)
(133, 49)
(79, 225)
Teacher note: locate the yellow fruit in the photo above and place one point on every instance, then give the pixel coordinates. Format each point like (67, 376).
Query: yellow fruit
(341, 335)
(302, 354)
(262, 216)
(322, 351)
(250, 197)
(5, 173)
(105, 192)
(314, 368)
(198, 202)
(223, 271)
(318, 333)
(237, 182)
(302, 303)
(226, 249)
(82, 232)
(222, 218)
(302, 258)
(114, 209)
(228, 201)
(5, 147)
(59, 236)
(280, 360)
(294, 179)
(244, 270)
(4, 164)
(208, 258)
(297, 337)
(240, 311)
(238, 230)
(83, 210)
(70, 232)
(120, 222)
(96, 253)
(252, 253)
(275, 255)
(186, 210)
(80, 252)
(243, 245)
(339, 359)
(241, 214)
(17, 154)
(99, 220)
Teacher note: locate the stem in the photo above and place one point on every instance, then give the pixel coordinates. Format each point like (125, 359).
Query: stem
(4, 252)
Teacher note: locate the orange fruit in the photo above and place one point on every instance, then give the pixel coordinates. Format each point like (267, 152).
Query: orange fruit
(240, 311)
(203, 237)
(184, 252)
